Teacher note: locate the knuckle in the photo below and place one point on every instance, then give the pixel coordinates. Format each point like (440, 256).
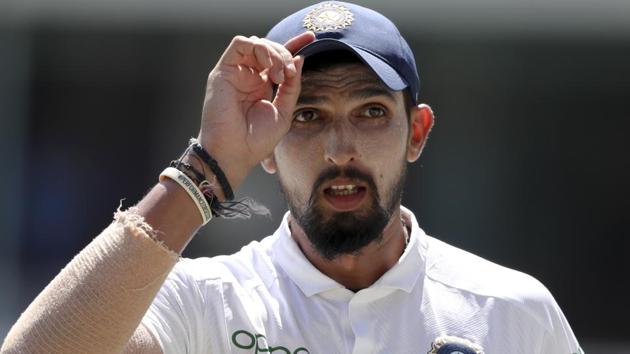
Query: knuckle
(280, 55)
(287, 56)
(260, 46)
(284, 53)
(239, 39)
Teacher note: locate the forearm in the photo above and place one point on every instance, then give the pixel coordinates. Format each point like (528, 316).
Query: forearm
(96, 302)
(170, 211)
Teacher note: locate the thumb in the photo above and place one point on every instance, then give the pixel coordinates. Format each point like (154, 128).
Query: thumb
(288, 92)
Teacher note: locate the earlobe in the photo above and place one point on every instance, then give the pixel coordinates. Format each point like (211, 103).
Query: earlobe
(420, 125)
(269, 164)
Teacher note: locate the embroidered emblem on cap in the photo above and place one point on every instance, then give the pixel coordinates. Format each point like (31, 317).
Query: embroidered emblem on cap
(454, 345)
(328, 17)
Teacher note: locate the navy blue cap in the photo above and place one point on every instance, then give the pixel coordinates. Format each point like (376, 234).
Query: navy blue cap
(370, 35)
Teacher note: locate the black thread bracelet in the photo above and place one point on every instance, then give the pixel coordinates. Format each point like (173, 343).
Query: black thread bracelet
(214, 167)
(198, 176)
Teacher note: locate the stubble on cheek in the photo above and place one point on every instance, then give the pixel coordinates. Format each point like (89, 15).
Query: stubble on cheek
(296, 197)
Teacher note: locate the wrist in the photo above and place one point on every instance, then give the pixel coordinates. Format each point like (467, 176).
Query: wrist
(202, 201)
(195, 161)
(235, 166)
(172, 213)
(222, 178)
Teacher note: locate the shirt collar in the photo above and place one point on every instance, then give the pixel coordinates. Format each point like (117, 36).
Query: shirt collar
(403, 275)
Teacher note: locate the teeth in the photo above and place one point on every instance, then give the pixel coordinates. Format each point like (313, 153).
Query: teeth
(347, 186)
(344, 190)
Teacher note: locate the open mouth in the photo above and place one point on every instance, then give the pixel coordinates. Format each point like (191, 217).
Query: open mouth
(345, 197)
(347, 189)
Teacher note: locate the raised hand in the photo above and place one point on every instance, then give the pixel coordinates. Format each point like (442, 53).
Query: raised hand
(241, 124)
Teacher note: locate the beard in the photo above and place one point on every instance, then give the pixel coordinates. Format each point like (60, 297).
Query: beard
(345, 232)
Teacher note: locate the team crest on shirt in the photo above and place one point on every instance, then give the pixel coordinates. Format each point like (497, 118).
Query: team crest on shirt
(454, 345)
(328, 17)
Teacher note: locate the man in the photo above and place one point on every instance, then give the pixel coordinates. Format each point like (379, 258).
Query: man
(348, 271)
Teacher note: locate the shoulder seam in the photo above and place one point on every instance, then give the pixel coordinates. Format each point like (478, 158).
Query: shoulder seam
(520, 306)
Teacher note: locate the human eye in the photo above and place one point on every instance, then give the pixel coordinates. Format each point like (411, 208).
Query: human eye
(374, 111)
(305, 116)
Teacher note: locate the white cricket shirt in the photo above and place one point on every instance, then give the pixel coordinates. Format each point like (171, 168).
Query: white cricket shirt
(268, 298)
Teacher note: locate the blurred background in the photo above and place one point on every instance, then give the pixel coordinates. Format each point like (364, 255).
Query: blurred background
(527, 165)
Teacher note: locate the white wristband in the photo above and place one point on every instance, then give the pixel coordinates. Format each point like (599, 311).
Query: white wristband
(192, 190)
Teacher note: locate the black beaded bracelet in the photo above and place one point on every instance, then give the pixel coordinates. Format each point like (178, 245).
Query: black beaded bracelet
(214, 167)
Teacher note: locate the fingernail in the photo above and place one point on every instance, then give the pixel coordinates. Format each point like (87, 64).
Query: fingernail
(281, 75)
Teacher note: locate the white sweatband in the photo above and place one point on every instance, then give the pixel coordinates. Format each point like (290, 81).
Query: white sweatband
(191, 188)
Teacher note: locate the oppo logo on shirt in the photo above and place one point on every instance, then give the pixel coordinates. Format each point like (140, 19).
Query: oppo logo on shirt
(258, 343)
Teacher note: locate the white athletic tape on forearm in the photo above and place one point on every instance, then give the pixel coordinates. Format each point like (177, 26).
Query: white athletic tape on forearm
(97, 301)
(191, 188)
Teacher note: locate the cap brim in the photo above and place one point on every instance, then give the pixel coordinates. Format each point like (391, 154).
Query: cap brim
(385, 72)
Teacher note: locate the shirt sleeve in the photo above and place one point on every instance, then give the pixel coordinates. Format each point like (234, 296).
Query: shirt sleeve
(560, 338)
(176, 316)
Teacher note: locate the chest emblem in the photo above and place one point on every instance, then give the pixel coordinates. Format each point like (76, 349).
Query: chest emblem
(454, 345)
(328, 17)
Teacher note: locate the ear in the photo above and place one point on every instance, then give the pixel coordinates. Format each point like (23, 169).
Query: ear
(420, 124)
(269, 164)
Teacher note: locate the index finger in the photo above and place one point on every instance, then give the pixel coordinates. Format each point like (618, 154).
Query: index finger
(296, 43)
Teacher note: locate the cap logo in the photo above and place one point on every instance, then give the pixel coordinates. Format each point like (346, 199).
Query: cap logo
(328, 17)
(454, 345)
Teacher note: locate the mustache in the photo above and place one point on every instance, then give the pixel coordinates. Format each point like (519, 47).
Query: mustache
(348, 172)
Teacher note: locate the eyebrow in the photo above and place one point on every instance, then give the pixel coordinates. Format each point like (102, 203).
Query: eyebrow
(361, 94)
(311, 100)
(372, 91)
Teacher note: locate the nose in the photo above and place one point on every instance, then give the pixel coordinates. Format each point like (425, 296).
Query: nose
(341, 145)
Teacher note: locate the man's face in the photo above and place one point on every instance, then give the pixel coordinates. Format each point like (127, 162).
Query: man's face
(342, 164)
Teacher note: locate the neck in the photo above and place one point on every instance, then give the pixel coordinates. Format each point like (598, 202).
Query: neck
(361, 269)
